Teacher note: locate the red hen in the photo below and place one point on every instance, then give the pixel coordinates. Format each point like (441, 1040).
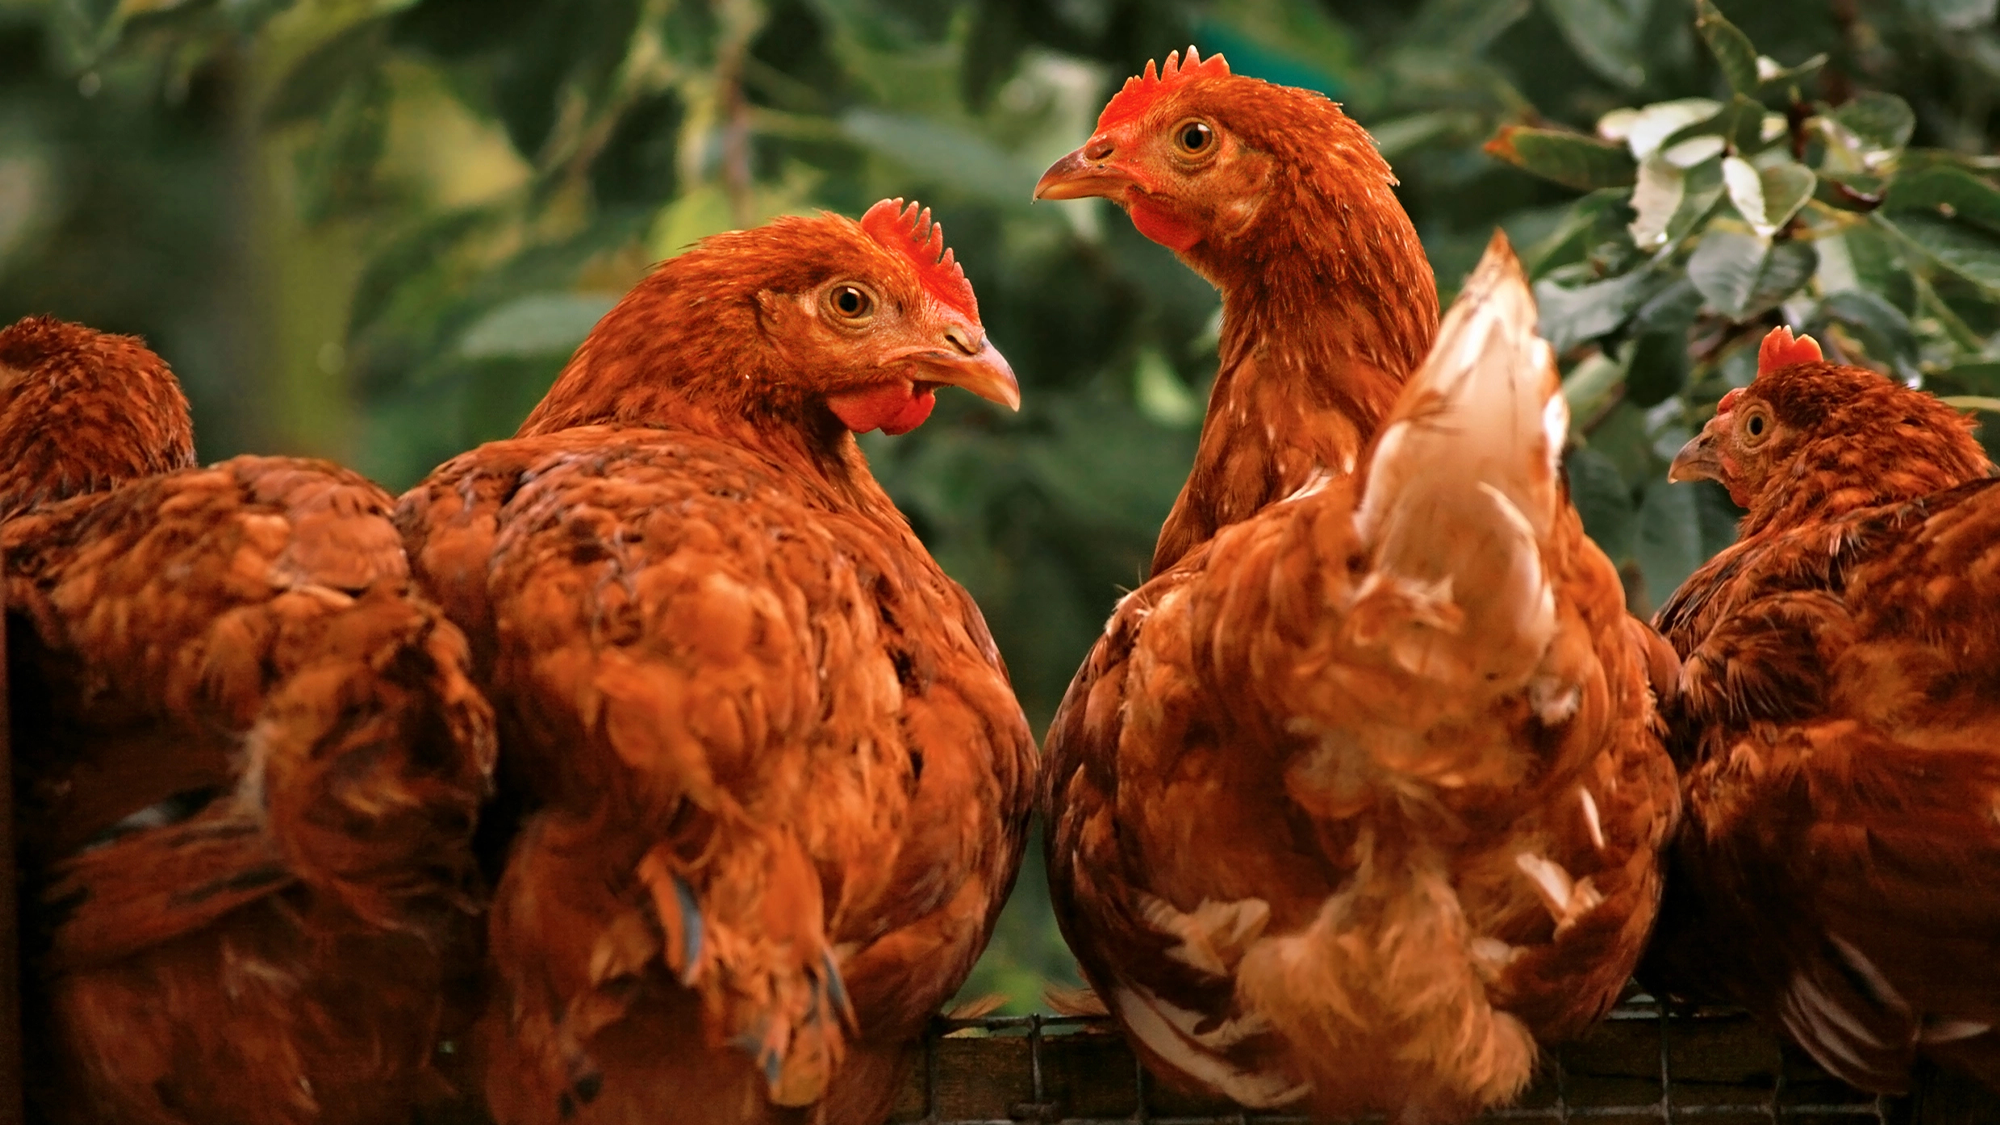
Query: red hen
(1360, 794)
(247, 760)
(1839, 870)
(774, 777)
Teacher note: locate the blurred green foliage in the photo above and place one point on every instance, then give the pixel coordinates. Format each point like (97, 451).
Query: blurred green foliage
(374, 229)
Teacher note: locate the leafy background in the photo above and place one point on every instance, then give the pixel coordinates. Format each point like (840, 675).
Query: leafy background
(374, 229)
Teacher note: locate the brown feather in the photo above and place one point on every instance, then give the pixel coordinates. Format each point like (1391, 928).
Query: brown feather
(1837, 871)
(774, 776)
(249, 759)
(1364, 795)
(82, 410)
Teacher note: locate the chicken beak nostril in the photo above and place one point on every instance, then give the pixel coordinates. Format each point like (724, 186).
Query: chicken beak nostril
(1099, 150)
(966, 341)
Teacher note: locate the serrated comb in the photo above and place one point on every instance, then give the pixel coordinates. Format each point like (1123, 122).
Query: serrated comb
(911, 232)
(1780, 349)
(1139, 93)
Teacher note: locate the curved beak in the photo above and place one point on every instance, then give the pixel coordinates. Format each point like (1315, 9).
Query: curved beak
(1699, 459)
(1084, 173)
(974, 364)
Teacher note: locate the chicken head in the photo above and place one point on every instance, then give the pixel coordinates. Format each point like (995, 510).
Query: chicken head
(818, 322)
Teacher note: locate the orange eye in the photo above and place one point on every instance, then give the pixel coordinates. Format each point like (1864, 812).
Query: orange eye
(1194, 137)
(850, 303)
(1756, 425)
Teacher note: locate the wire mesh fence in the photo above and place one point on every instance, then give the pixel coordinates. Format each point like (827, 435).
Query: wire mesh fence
(1642, 1064)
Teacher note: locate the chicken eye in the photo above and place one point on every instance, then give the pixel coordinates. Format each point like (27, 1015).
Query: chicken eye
(1755, 425)
(1194, 137)
(850, 302)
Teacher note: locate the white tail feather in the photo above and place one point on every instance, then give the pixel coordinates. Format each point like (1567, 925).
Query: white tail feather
(1462, 487)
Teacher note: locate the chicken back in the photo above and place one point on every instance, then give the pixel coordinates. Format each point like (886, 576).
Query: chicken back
(1364, 795)
(248, 758)
(1838, 872)
(774, 780)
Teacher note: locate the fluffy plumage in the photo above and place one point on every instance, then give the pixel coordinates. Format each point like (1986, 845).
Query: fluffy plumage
(774, 777)
(82, 410)
(1362, 796)
(247, 759)
(1839, 870)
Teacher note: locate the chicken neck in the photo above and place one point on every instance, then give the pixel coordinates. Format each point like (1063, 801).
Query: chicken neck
(1320, 328)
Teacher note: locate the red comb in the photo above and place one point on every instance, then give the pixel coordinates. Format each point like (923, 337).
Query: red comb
(1729, 400)
(1138, 94)
(912, 232)
(1779, 349)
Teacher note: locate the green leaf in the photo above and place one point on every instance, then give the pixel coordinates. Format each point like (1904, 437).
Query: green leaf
(337, 168)
(1883, 122)
(1716, 516)
(1787, 186)
(1395, 137)
(1739, 276)
(1672, 309)
(537, 324)
(1591, 383)
(1952, 192)
(1606, 35)
(1731, 48)
(1774, 79)
(1971, 252)
(1570, 159)
(1667, 543)
(1725, 268)
(1645, 130)
(1704, 189)
(1787, 268)
(1883, 328)
(1656, 367)
(1601, 498)
(409, 258)
(1583, 224)
(311, 85)
(1656, 198)
(1973, 402)
(1746, 125)
(1571, 316)
(943, 153)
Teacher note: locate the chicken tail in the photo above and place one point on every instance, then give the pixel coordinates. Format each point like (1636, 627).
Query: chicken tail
(1462, 495)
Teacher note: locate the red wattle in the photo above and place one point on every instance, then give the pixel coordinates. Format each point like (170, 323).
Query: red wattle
(893, 408)
(1163, 227)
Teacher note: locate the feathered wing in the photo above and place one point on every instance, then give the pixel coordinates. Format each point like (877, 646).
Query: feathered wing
(1837, 873)
(1365, 794)
(249, 760)
(777, 779)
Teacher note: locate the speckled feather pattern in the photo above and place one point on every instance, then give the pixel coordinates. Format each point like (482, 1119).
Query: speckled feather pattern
(82, 410)
(721, 678)
(236, 655)
(1301, 873)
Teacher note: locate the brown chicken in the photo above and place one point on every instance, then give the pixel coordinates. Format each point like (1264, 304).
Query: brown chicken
(1281, 202)
(1839, 869)
(247, 763)
(1361, 796)
(775, 779)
